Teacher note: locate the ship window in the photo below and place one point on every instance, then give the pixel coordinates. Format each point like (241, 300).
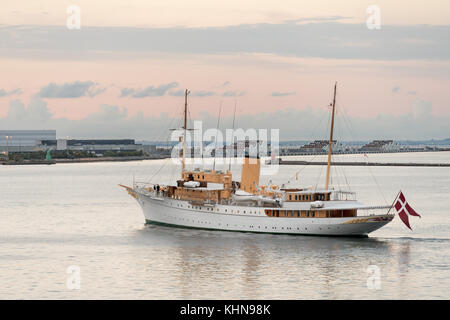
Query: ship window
(313, 214)
(307, 213)
(290, 197)
(296, 198)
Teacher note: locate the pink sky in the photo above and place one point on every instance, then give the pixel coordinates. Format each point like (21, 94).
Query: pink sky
(367, 86)
(364, 90)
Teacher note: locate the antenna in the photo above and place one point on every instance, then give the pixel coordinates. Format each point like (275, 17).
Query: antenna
(232, 142)
(215, 143)
(183, 164)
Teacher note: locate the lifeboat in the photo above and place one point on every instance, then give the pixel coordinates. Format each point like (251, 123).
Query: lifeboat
(191, 184)
(317, 204)
(243, 196)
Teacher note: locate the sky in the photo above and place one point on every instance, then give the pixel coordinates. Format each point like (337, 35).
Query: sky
(123, 73)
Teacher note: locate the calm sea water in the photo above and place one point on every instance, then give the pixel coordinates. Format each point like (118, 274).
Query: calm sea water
(54, 217)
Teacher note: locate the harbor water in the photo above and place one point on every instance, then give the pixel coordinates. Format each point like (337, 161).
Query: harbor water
(68, 231)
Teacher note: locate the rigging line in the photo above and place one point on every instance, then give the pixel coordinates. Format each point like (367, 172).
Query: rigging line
(232, 142)
(167, 145)
(161, 134)
(167, 159)
(311, 138)
(341, 129)
(326, 133)
(340, 171)
(361, 155)
(217, 131)
(140, 169)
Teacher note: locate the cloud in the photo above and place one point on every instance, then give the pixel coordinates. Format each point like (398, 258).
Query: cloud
(317, 19)
(150, 91)
(178, 93)
(325, 38)
(75, 89)
(283, 94)
(108, 113)
(234, 93)
(4, 93)
(111, 121)
(199, 94)
(421, 109)
(36, 111)
(202, 93)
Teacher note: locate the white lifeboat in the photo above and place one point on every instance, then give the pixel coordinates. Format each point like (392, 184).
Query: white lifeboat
(243, 196)
(317, 204)
(191, 184)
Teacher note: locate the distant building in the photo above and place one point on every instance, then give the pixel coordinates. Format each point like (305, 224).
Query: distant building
(24, 140)
(25, 137)
(92, 145)
(317, 146)
(381, 146)
(61, 144)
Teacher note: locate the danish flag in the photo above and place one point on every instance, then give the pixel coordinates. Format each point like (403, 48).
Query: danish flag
(404, 209)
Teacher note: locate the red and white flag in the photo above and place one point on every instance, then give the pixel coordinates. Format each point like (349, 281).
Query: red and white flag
(404, 209)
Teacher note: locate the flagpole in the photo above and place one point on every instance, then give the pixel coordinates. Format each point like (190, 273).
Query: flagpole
(394, 201)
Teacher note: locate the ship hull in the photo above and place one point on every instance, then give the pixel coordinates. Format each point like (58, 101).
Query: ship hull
(182, 214)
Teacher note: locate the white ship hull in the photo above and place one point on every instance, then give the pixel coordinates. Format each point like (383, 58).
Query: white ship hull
(180, 213)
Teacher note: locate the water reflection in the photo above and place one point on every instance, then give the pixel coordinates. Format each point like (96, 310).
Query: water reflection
(264, 265)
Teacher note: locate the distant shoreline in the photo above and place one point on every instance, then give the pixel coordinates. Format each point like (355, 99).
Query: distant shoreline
(82, 160)
(359, 164)
(282, 162)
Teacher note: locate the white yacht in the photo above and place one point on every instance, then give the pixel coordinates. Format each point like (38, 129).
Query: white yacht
(211, 199)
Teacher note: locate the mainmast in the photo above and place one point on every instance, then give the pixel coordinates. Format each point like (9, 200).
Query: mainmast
(330, 144)
(183, 163)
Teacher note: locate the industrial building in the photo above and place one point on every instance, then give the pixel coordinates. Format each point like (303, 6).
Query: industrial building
(24, 140)
(97, 146)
